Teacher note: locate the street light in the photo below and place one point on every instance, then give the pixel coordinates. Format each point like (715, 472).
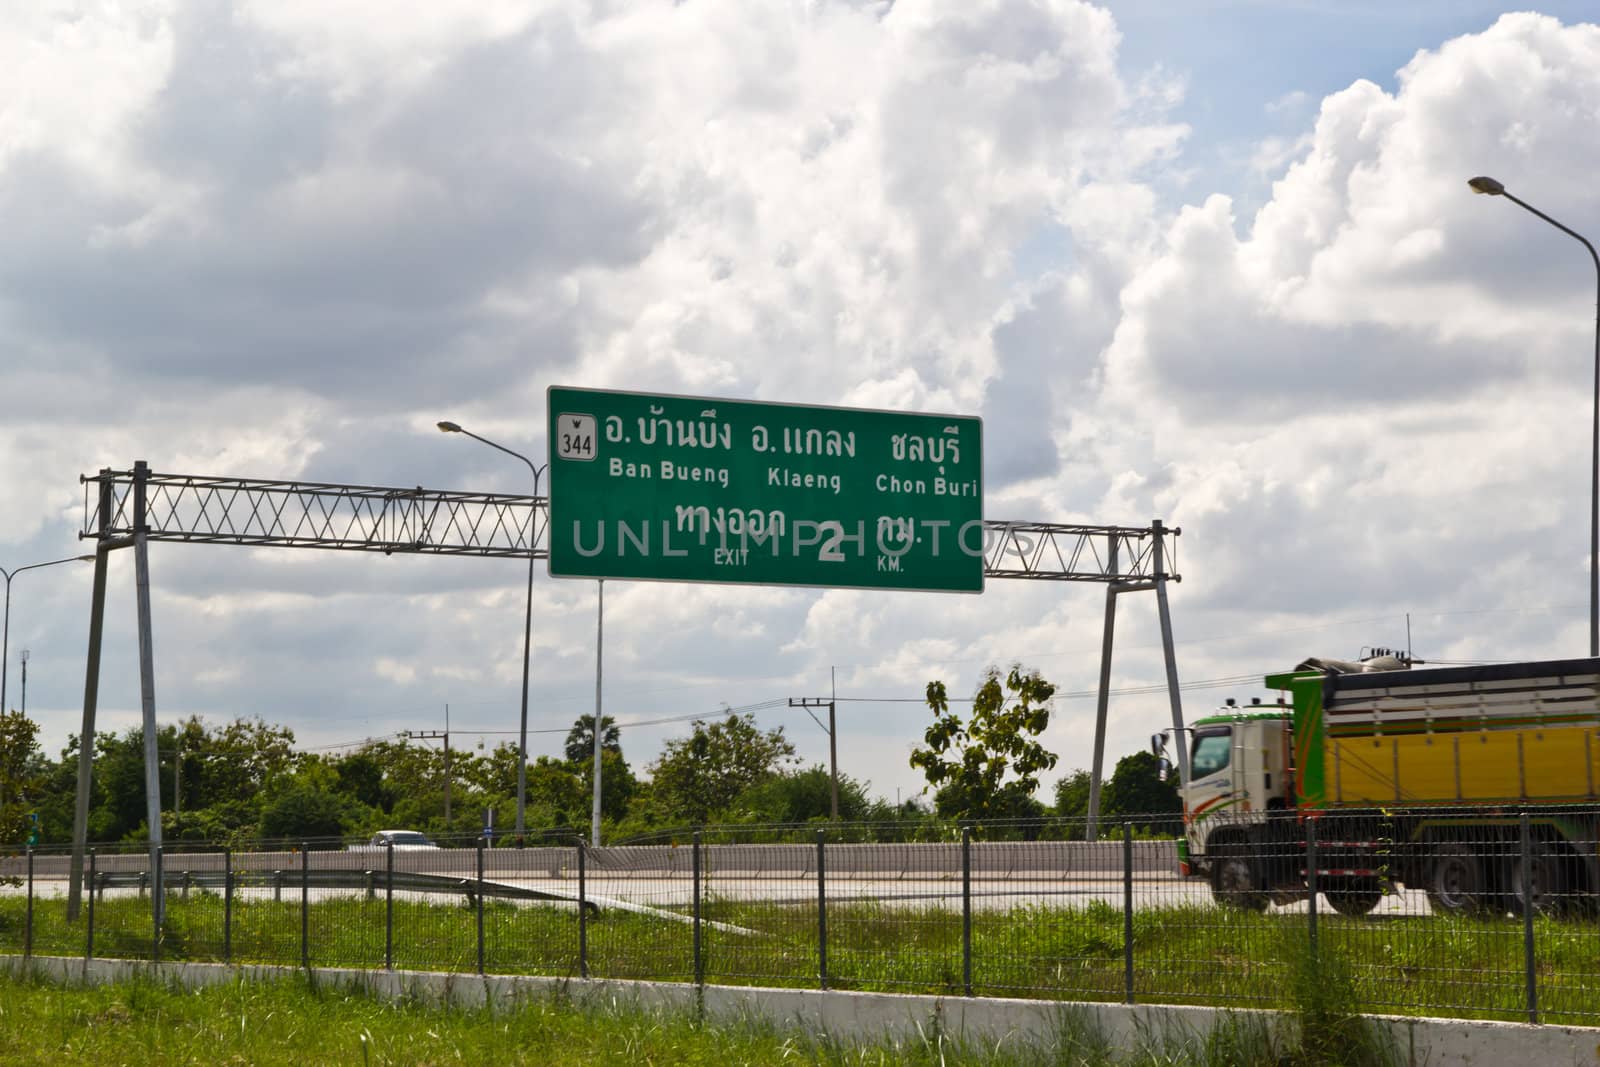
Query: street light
(1490, 187)
(527, 623)
(5, 630)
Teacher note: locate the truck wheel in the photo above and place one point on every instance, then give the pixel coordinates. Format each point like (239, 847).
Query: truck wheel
(1354, 902)
(1234, 881)
(1544, 880)
(1455, 881)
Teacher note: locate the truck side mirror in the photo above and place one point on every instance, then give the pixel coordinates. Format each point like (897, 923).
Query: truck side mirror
(1164, 768)
(1158, 742)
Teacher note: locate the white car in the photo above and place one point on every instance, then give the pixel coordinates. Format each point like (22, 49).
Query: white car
(400, 839)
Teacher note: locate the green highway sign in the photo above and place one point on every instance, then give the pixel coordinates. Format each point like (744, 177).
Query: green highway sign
(701, 489)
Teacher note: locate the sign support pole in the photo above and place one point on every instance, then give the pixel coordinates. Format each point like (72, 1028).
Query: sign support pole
(599, 661)
(91, 699)
(1158, 532)
(1102, 701)
(147, 685)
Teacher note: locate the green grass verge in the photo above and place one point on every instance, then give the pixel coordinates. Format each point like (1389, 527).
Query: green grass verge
(303, 1021)
(1464, 967)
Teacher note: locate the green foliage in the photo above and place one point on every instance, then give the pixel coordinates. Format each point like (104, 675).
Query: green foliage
(361, 778)
(803, 796)
(1072, 795)
(580, 739)
(19, 780)
(987, 767)
(1327, 1006)
(1134, 791)
(1136, 788)
(618, 786)
(236, 762)
(700, 776)
(556, 795)
(304, 809)
(244, 780)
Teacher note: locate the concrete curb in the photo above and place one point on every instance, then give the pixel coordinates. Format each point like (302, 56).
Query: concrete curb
(1425, 1042)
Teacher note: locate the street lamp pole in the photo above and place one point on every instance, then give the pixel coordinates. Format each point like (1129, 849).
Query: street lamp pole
(527, 622)
(1490, 187)
(5, 629)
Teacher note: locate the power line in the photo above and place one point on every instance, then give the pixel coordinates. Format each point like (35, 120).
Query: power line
(1087, 694)
(764, 705)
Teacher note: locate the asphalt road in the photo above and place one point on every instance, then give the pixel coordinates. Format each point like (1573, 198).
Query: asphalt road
(676, 892)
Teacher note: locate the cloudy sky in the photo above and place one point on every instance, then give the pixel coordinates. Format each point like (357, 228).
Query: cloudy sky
(1214, 262)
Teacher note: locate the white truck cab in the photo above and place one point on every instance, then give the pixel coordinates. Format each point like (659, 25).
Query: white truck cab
(1240, 768)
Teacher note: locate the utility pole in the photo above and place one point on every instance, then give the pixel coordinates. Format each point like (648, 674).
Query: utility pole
(599, 720)
(24, 683)
(833, 740)
(438, 735)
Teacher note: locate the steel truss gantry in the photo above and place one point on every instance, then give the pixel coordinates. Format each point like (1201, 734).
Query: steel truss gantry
(129, 508)
(371, 518)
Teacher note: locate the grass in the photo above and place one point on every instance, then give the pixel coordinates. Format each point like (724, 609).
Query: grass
(304, 1021)
(1465, 967)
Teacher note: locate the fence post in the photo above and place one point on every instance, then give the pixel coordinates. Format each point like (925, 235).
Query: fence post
(227, 905)
(1527, 918)
(155, 892)
(305, 906)
(583, 913)
(1127, 912)
(699, 962)
(1313, 862)
(966, 910)
(822, 910)
(88, 947)
(480, 905)
(27, 925)
(388, 912)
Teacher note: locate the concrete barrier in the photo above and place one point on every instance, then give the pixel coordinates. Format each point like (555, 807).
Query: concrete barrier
(869, 1016)
(991, 860)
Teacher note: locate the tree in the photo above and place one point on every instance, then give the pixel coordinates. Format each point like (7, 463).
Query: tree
(18, 743)
(556, 798)
(1136, 789)
(618, 786)
(699, 776)
(360, 776)
(118, 801)
(580, 739)
(238, 761)
(1072, 796)
(803, 796)
(305, 809)
(988, 767)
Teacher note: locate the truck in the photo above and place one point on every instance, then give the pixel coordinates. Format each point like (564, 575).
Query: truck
(1475, 784)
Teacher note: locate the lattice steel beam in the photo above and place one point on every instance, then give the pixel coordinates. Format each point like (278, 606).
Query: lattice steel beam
(358, 518)
(367, 518)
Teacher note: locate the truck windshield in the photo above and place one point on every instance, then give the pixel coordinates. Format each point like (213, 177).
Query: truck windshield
(1211, 751)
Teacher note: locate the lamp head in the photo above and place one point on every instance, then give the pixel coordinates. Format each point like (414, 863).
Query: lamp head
(1488, 186)
(449, 427)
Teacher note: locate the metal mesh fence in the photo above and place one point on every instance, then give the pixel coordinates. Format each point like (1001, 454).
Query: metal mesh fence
(645, 895)
(1445, 912)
